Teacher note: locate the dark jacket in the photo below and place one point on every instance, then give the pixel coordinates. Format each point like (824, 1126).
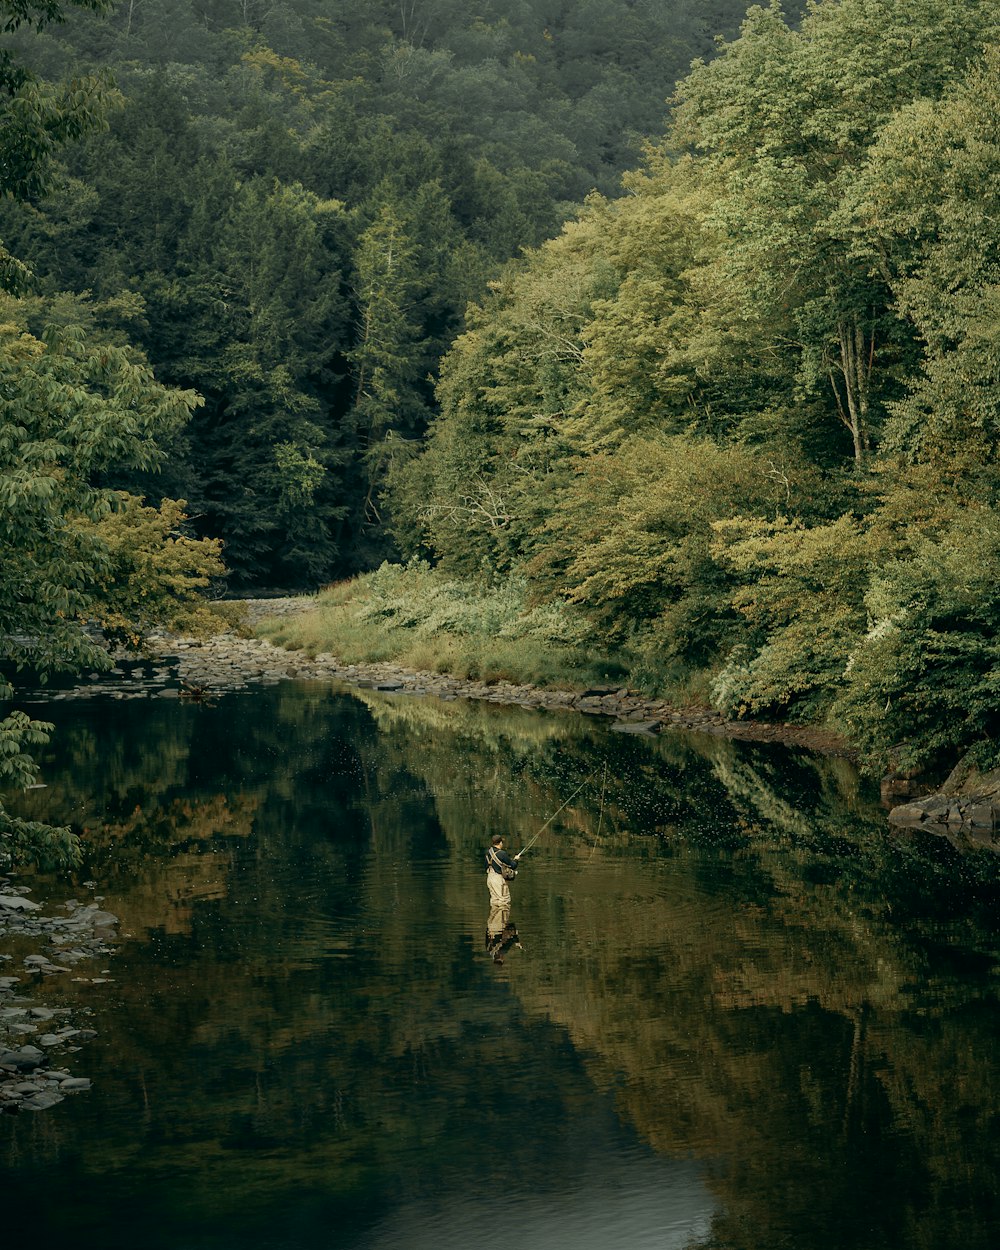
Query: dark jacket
(502, 856)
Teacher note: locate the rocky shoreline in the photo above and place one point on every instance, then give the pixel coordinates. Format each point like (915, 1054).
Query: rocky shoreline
(188, 668)
(199, 668)
(35, 1037)
(630, 711)
(967, 806)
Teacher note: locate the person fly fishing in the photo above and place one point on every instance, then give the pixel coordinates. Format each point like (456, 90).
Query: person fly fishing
(500, 869)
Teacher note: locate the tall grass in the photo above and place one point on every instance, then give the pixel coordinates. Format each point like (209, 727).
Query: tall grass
(419, 618)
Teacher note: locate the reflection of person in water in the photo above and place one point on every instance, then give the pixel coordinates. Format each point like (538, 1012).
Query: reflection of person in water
(497, 944)
(500, 933)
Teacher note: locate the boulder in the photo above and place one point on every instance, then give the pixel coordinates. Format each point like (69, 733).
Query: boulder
(966, 781)
(15, 902)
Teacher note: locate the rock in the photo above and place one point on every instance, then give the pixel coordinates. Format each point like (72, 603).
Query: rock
(19, 1060)
(101, 919)
(74, 1084)
(966, 779)
(42, 1102)
(909, 815)
(936, 807)
(15, 902)
(637, 727)
(941, 811)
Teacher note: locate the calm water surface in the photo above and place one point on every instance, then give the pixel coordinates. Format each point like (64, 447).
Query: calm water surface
(741, 1014)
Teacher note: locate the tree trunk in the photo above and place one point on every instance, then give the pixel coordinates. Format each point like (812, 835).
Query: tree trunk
(856, 357)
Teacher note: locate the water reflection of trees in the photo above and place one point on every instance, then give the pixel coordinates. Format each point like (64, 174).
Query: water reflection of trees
(740, 954)
(787, 1005)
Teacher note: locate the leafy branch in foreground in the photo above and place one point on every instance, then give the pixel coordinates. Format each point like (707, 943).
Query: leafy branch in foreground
(70, 411)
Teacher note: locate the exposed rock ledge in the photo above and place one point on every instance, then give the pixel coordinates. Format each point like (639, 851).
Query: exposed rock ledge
(967, 804)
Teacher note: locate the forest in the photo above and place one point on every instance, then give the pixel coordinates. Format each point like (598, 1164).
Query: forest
(745, 415)
(673, 322)
(289, 207)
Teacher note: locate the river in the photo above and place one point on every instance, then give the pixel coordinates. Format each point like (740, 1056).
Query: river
(740, 1012)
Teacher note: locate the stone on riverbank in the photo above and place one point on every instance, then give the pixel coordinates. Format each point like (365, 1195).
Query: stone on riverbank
(16, 902)
(968, 803)
(28, 1081)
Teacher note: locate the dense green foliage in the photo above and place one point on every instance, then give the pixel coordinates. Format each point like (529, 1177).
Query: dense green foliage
(71, 411)
(741, 420)
(747, 416)
(295, 203)
(77, 409)
(281, 210)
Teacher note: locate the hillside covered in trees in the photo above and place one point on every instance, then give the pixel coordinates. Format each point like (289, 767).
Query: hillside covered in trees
(731, 418)
(745, 417)
(292, 205)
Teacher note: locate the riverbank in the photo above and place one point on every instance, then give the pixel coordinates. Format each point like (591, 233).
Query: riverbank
(629, 709)
(32, 1076)
(229, 661)
(236, 659)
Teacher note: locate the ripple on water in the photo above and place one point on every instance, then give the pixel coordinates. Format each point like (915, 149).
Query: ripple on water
(633, 1203)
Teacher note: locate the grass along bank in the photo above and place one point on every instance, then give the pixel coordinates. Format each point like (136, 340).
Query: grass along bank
(417, 617)
(421, 620)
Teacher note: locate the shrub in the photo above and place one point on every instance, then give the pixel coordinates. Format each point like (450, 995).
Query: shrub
(924, 680)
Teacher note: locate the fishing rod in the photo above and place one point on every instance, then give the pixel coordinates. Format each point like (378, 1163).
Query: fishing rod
(555, 814)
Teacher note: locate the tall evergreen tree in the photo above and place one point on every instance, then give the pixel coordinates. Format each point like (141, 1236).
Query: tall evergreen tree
(270, 465)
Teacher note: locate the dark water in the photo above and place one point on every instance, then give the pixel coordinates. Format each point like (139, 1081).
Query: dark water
(742, 1014)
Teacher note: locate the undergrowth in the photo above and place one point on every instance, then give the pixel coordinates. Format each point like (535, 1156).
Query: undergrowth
(412, 615)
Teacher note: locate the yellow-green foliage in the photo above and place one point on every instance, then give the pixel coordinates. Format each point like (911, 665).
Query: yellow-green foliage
(802, 598)
(926, 673)
(428, 621)
(889, 624)
(71, 411)
(231, 615)
(747, 418)
(152, 571)
(631, 539)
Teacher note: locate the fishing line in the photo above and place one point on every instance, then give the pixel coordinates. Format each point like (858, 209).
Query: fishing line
(600, 819)
(556, 813)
